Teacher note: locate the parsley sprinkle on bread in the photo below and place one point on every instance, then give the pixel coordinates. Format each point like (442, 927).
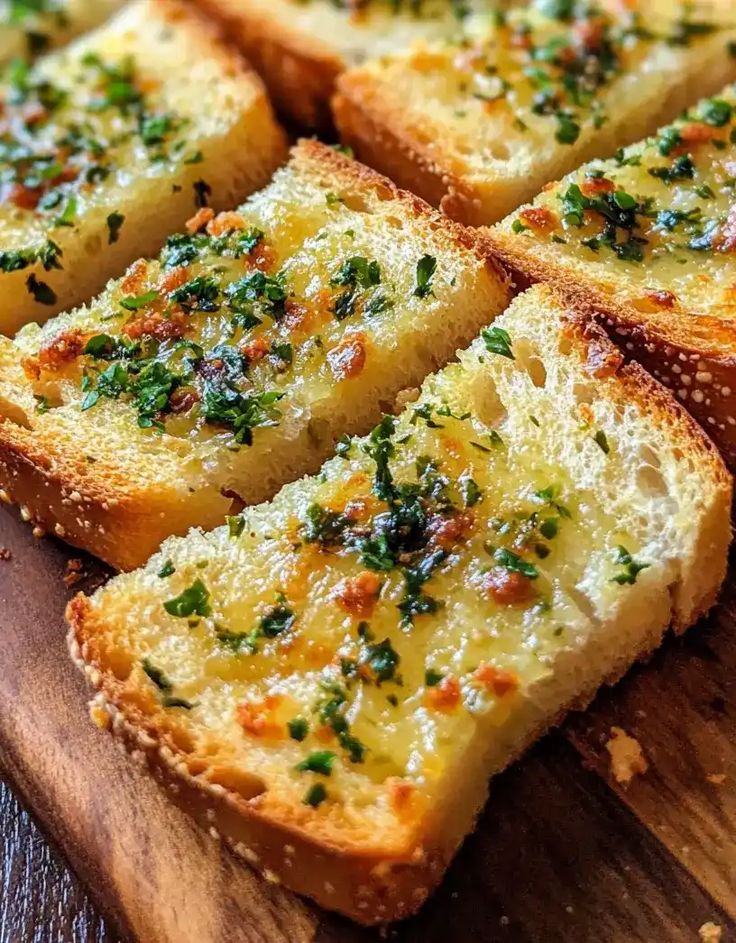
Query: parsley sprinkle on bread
(207, 377)
(111, 144)
(301, 46)
(649, 239)
(30, 27)
(479, 126)
(331, 678)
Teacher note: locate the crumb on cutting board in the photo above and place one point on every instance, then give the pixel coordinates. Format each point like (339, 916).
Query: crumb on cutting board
(716, 779)
(73, 572)
(5, 554)
(627, 756)
(710, 933)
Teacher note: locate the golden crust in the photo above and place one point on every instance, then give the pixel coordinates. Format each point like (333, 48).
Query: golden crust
(98, 507)
(701, 349)
(300, 72)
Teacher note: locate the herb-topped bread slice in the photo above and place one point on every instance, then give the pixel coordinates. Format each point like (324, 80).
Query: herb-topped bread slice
(332, 677)
(649, 239)
(208, 377)
(478, 127)
(301, 46)
(110, 145)
(29, 27)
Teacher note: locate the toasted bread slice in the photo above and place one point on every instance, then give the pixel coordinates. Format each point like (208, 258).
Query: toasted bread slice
(300, 48)
(649, 239)
(207, 378)
(112, 143)
(27, 29)
(338, 672)
(477, 128)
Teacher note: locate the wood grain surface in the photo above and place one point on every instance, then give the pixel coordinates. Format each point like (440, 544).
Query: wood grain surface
(559, 854)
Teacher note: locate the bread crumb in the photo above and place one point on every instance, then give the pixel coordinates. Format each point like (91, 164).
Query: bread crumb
(710, 933)
(5, 554)
(627, 757)
(73, 572)
(717, 779)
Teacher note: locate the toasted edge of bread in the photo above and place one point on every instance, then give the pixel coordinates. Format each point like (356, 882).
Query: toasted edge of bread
(102, 508)
(371, 887)
(699, 348)
(397, 139)
(238, 160)
(299, 70)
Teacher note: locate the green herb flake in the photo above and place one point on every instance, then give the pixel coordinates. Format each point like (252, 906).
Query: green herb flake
(298, 728)
(320, 761)
(315, 795)
(135, 302)
(631, 567)
(601, 441)
(114, 224)
(426, 268)
(497, 341)
(193, 601)
(166, 570)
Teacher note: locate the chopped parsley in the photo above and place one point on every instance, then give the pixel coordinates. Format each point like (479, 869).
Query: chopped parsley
(192, 601)
(630, 568)
(426, 268)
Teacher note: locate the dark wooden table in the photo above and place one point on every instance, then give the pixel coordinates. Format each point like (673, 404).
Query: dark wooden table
(561, 855)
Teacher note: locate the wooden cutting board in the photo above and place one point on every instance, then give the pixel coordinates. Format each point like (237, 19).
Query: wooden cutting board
(559, 854)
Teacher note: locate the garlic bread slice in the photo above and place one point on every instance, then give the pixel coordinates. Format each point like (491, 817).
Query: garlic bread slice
(208, 377)
(30, 27)
(110, 144)
(301, 46)
(649, 239)
(331, 678)
(478, 127)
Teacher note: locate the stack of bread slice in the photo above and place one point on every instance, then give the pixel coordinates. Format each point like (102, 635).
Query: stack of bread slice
(110, 144)
(329, 679)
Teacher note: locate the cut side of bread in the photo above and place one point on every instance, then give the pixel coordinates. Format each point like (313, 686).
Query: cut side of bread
(332, 677)
(30, 28)
(648, 239)
(207, 378)
(301, 46)
(108, 146)
(479, 127)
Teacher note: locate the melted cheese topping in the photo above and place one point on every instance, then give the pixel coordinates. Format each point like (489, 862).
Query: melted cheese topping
(662, 214)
